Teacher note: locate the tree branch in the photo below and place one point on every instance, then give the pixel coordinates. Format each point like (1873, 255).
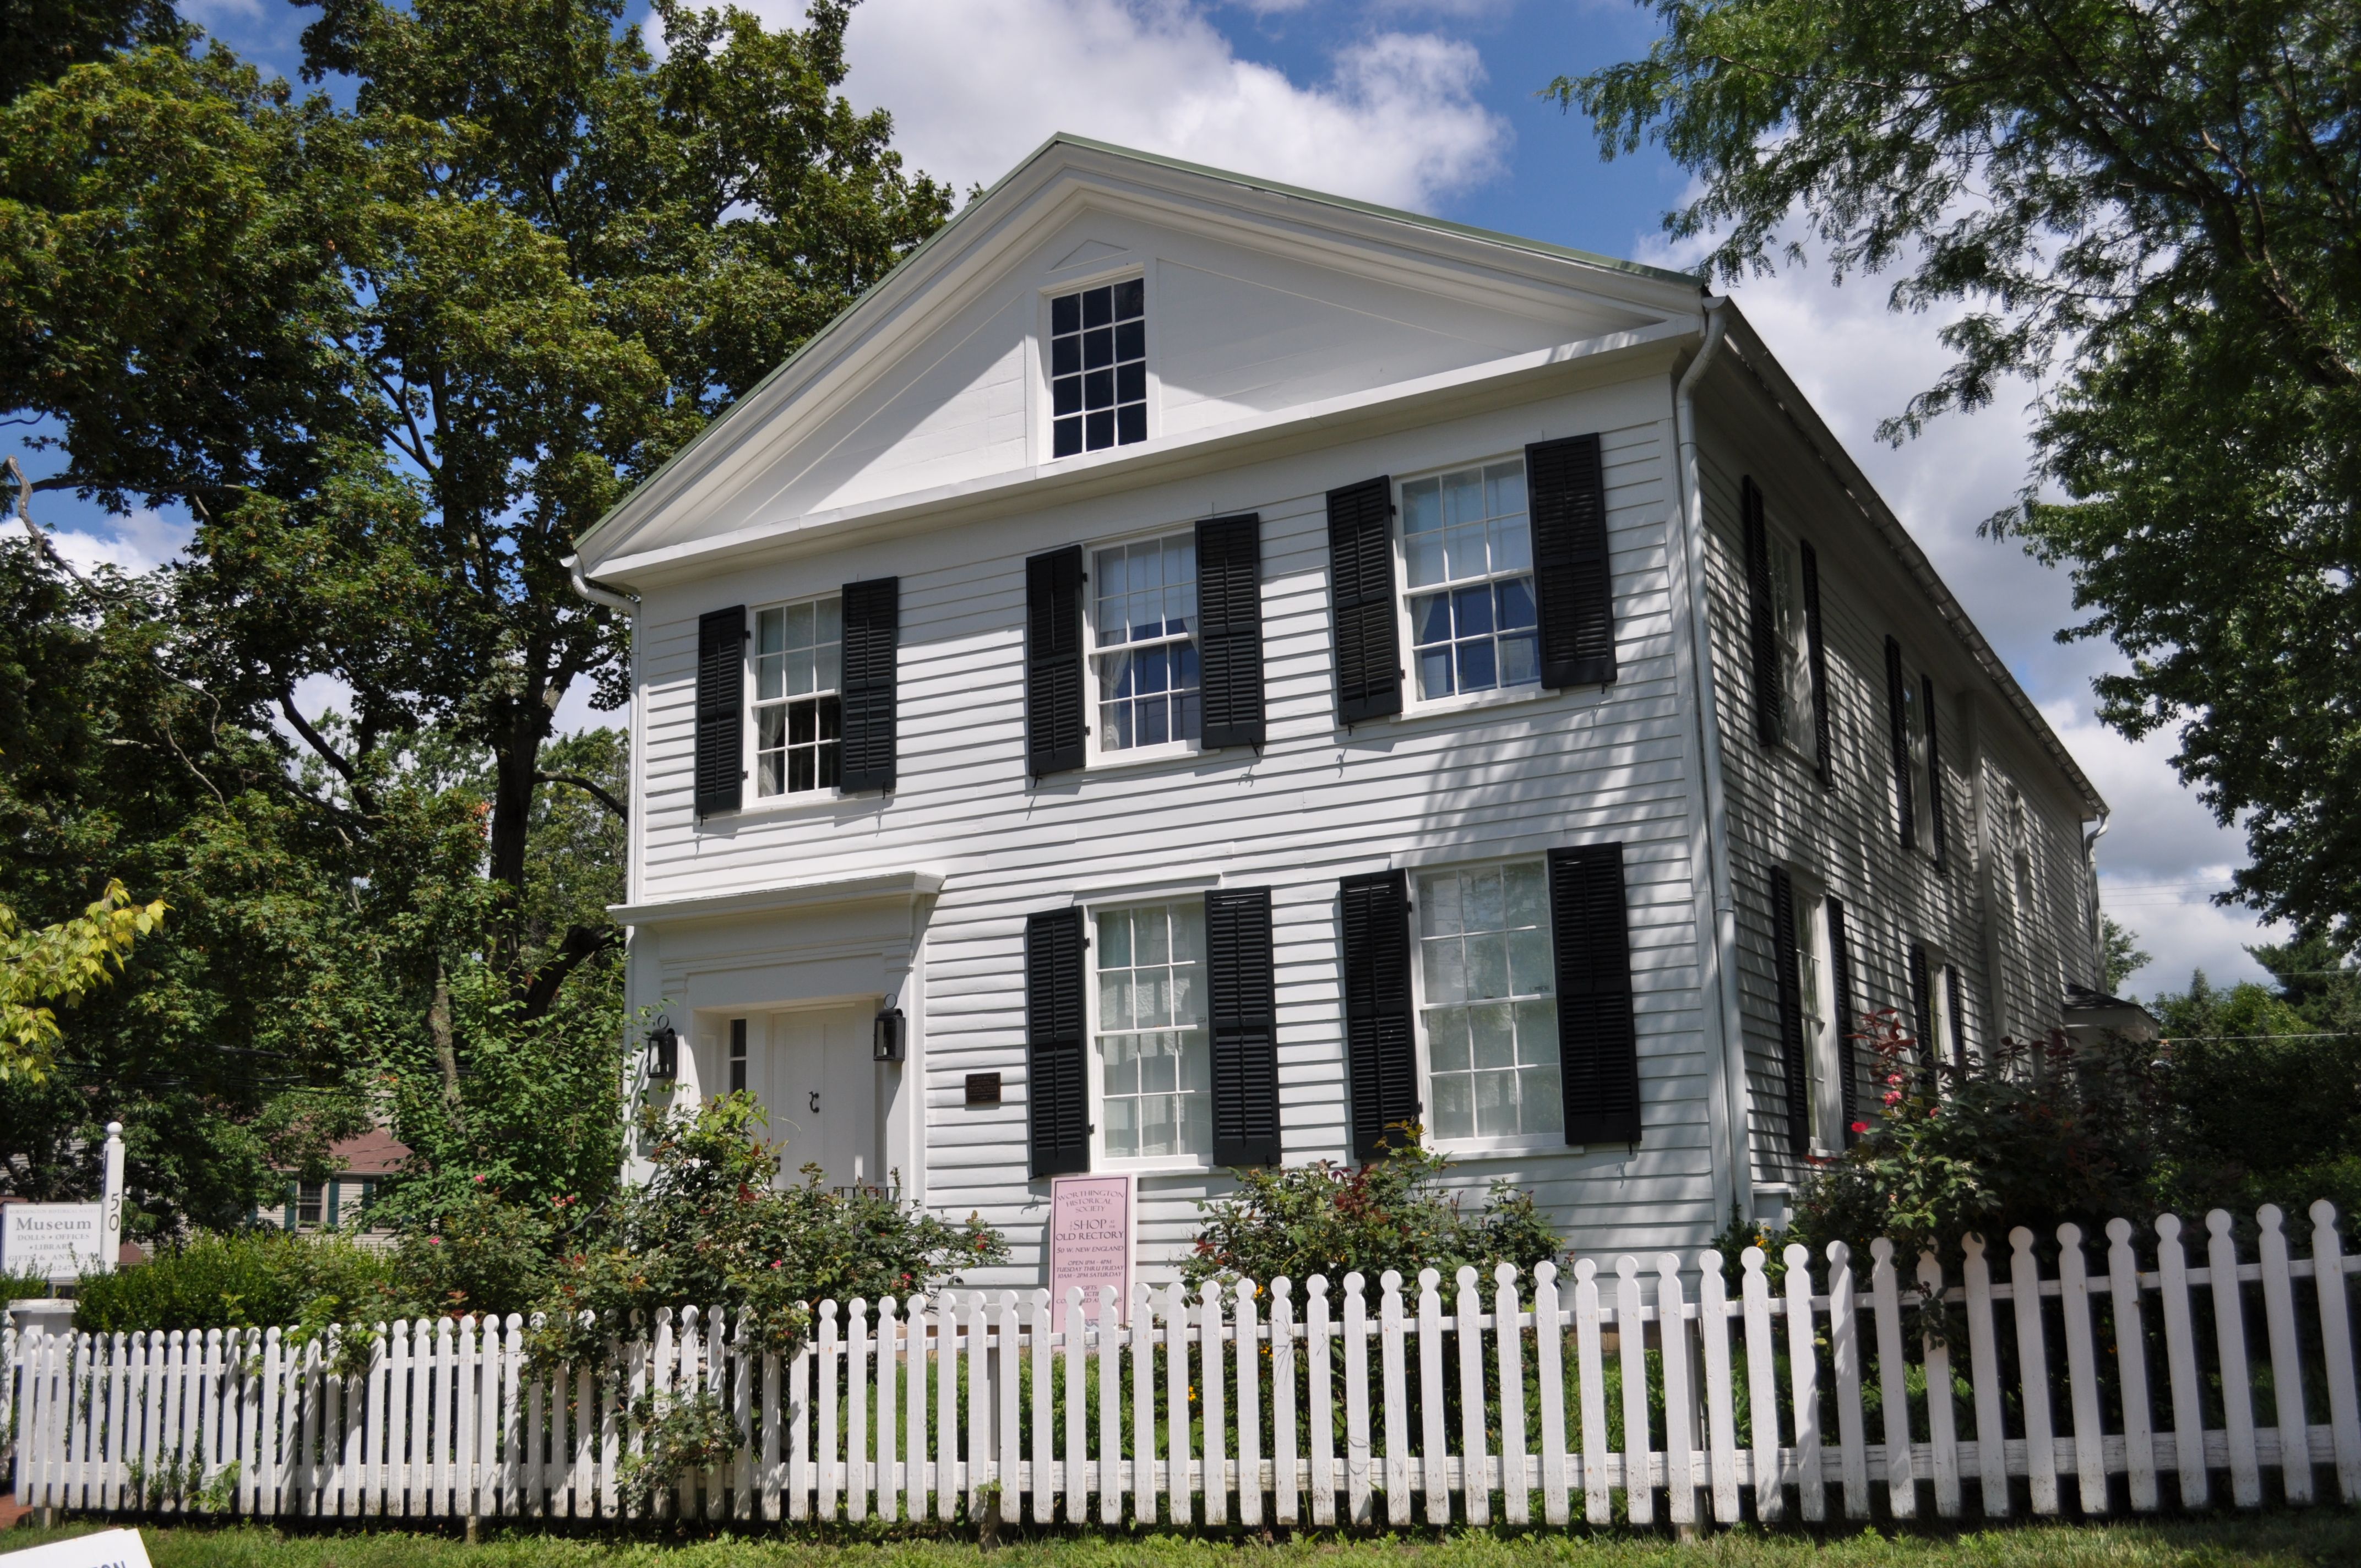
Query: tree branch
(582, 943)
(328, 754)
(588, 788)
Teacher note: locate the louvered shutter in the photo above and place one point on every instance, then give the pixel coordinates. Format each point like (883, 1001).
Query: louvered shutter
(1934, 773)
(1897, 718)
(1791, 1013)
(873, 622)
(1053, 662)
(1762, 628)
(1958, 1018)
(1840, 974)
(1816, 653)
(1057, 1096)
(1243, 1012)
(1574, 585)
(1597, 1040)
(1922, 1016)
(1229, 629)
(1381, 1057)
(721, 709)
(1361, 594)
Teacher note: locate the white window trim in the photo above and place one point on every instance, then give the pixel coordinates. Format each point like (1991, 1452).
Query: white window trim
(1096, 758)
(1413, 704)
(752, 801)
(1476, 1148)
(1823, 1061)
(1940, 1023)
(1797, 736)
(1152, 1164)
(1043, 420)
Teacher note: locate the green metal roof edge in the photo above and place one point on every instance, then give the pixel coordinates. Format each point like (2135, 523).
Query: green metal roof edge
(1395, 215)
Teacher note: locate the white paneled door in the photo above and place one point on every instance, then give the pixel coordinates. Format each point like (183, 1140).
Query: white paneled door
(820, 1090)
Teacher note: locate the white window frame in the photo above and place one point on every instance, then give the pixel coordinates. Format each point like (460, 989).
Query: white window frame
(1798, 729)
(1823, 1031)
(1039, 384)
(1093, 1076)
(1406, 625)
(1096, 752)
(1915, 721)
(754, 799)
(1519, 1142)
(1938, 1003)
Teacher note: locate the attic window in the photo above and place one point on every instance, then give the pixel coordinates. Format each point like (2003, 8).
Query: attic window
(1098, 367)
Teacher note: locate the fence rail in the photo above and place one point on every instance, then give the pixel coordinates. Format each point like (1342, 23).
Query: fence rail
(2019, 1382)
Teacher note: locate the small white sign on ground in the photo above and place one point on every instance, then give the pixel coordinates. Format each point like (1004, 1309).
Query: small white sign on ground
(59, 1240)
(101, 1549)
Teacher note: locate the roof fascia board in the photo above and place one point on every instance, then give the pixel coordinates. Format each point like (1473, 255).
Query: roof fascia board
(1771, 380)
(917, 881)
(998, 219)
(1466, 389)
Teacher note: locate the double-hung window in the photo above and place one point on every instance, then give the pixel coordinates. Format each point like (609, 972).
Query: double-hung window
(1915, 717)
(1817, 988)
(1144, 647)
(1098, 367)
(1797, 722)
(1468, 553)
(1489, 1004)
(1155, 1069)
(798, 722)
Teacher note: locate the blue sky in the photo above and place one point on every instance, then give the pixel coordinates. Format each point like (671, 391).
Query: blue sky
(1431, 104)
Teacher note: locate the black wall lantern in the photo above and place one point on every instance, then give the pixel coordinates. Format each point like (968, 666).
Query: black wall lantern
(885, 1038)
(664, 1051)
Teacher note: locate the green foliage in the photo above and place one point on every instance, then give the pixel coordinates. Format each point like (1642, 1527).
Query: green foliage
(1393, 1213)
(2149, 212)
(684, 1433)
(477, 1253)
(2120, 955)
(2027, 1137)
(712, 1226)
(253, 1280)
(60, 964)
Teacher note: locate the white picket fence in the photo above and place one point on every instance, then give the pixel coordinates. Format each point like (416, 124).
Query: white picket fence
(1276, 1406)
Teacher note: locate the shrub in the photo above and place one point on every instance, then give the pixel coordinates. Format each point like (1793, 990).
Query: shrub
(249, 1280)
(711, 1226)
(479, 1254)
(1393, 1213)
(20, 1286)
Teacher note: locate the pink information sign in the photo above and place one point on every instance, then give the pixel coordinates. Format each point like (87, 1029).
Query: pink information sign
(1089, 1241)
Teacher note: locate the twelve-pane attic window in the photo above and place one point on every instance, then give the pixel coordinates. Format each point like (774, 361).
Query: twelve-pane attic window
(1098, 367)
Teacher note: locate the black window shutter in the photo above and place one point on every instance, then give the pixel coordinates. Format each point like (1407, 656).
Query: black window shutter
(1381, 1057)
(1056, 1095)
(1762, 626)
(1934, 773)
(872, 625)
(1897, 718)
(1840, 974)
(1244, 1011)
(1574, 584)
(1958, 1018)
(1817, 652)
(1229, 629)
(1922, 1015)
(721, 709)
(1791, 1013)
(1053, 662)
(1597, 1039)
(1361, 589)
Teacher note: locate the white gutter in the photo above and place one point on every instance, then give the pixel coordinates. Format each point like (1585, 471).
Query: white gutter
(596, 595)
(1721, 952)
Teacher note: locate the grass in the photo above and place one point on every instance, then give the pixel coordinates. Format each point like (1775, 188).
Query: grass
(2284, 1540)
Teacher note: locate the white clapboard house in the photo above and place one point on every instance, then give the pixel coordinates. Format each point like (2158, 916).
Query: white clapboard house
(1190, 673)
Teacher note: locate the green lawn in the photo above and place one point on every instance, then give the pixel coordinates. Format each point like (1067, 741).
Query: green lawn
(2271, 1540)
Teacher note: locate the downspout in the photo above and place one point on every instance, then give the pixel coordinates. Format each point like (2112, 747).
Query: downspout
(2098, 927)
(596, 595)
(623, 604)
(1721, 952)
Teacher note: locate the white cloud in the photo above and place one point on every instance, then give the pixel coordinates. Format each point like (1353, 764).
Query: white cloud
(140, 542)
(974, 88)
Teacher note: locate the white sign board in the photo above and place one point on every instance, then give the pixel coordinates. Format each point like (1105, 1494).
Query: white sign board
(1090, 1243)
(60, 1240)
(101, 1549)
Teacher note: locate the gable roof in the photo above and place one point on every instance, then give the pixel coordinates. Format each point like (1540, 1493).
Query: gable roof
(1066, 153)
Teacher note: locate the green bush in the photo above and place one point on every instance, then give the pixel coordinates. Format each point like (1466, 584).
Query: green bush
(19, 1286)
(249, 1279)
(1393, 1213)
(481, 1254)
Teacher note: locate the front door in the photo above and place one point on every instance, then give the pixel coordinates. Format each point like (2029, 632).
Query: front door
(820, 1094)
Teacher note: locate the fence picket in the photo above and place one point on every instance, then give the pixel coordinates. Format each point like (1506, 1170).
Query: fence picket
(2230, 1339)
(1004, 1367)
(1588, 1352)
(2131, 1366)
(1507, 1348)
(1144, 1469)
(1390, 1352)
(1214, 1402)
(1549, 1359)
(1804, 1377)
(1983, 1371)
(1285, 1504)
(1247, 1333)
(1720, 1405)
(1177, 1502)
(1319, 1393)
(1077, 1435)
(1113, 1334)
(1762, 1388)
(1632, 1339)
(1680, 1477)
(1844, 1364)
(2336, 1348)
(889, 1348)
(2081, 1371)
(914, 1431)
(1432, 1443)
(1360, 1512)
(946, 1408)
(1894, 1389)
(2180, 1361)
(2286, 1357)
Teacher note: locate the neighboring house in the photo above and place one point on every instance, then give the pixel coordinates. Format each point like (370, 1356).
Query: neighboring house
(1226, 669)
(360, 1164)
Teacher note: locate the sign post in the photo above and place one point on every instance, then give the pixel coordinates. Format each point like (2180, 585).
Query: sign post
(1090, 1243)
(110, 1236)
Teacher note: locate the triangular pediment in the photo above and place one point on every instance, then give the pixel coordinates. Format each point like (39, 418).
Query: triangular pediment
(1261, 305)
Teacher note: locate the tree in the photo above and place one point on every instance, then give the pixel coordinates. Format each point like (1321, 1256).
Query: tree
(2154, 210)
(41, 38)
(2120, 955)
(395, 359)
(58, 966)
